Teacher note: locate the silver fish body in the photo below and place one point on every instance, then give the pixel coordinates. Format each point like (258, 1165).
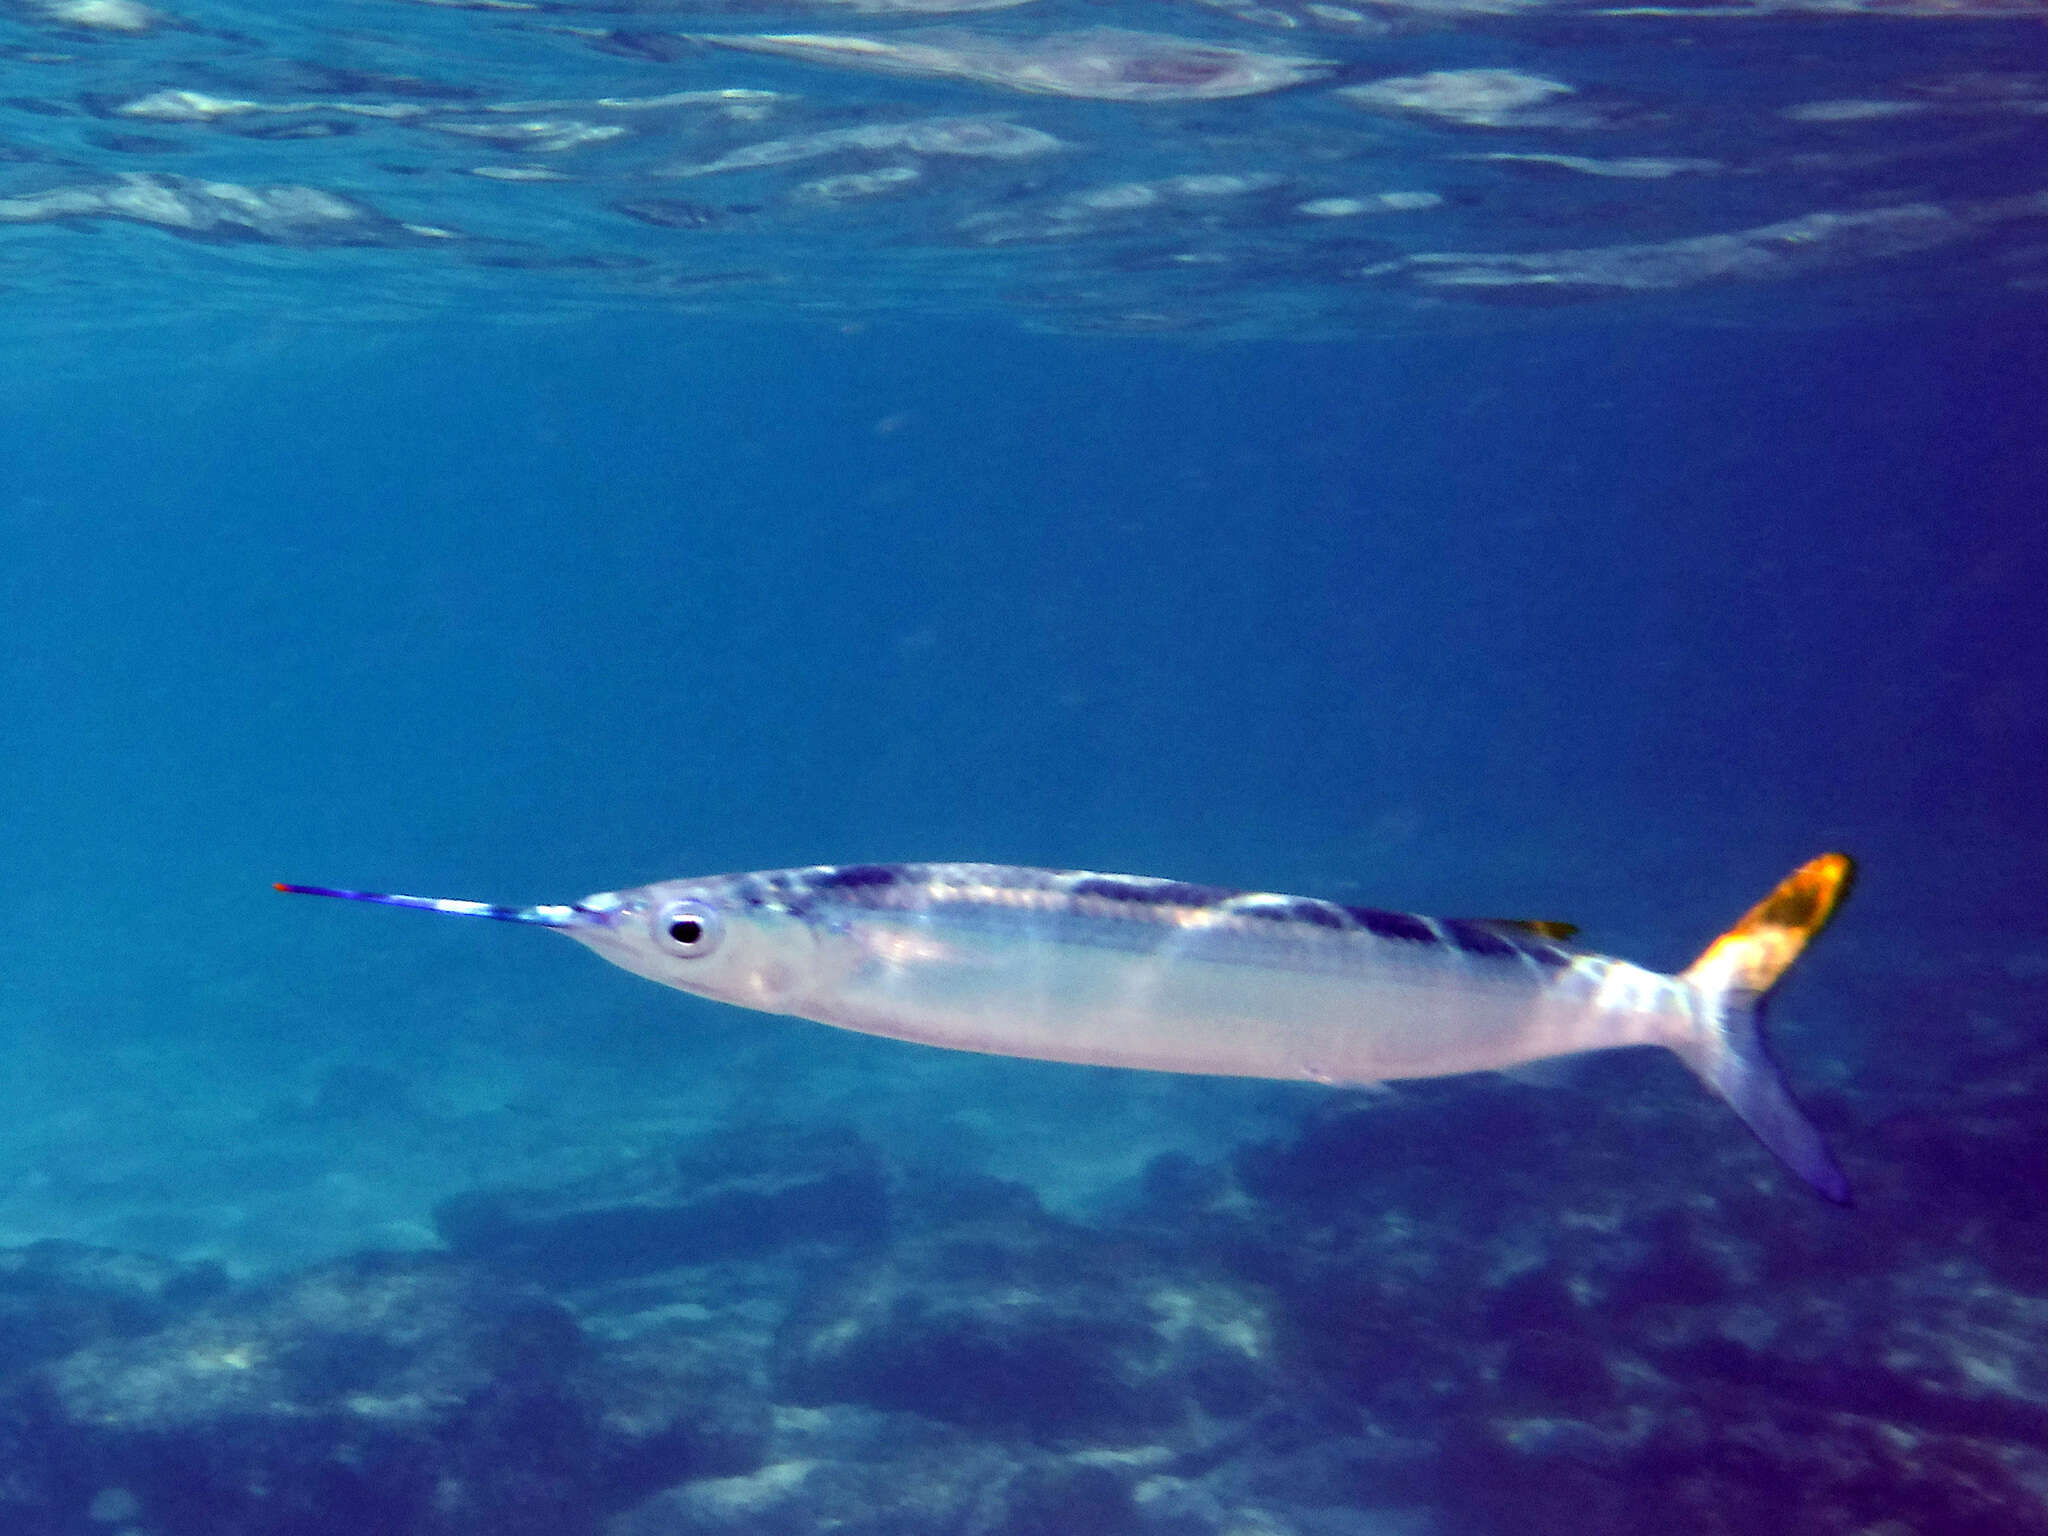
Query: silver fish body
(1114, 970)
(1123, 971)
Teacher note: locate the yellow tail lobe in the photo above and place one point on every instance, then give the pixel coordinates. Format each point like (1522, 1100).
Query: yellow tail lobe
(1733, 976)
(1751, 956)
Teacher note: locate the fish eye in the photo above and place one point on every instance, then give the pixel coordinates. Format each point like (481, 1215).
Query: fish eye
(687, 928)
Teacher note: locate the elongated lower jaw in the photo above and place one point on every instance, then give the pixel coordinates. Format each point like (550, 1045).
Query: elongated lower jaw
(545, 916)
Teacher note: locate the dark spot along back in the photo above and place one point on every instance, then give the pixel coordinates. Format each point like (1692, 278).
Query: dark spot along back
(853, 877)
(1393, 925)
(1160, 893)
(1300, 909)
(1509, 938)
(1478, 939)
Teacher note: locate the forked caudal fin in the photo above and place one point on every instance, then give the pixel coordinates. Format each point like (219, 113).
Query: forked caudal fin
(1733, 977)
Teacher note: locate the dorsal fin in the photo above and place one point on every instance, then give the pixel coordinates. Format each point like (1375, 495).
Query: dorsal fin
(1528, 927)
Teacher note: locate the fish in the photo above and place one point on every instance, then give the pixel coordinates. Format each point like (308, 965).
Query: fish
(1168, 976)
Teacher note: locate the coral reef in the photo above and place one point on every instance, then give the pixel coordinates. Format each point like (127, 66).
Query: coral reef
(1474, 1307)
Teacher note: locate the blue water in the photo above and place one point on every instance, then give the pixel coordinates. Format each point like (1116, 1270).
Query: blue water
(526, 561)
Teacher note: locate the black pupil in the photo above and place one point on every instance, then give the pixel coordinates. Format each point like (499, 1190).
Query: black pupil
(686, 930)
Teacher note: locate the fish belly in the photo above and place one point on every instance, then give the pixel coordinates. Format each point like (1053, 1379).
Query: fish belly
(1180, 1003)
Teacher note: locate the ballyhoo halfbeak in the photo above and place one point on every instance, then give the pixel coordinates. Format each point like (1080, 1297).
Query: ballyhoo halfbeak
(546, 916)
(1131, 971)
